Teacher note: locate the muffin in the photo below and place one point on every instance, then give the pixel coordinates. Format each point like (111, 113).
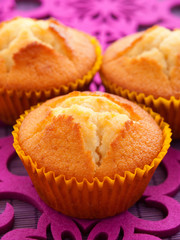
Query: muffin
(144, 67)
(87, 151)
(41, 59)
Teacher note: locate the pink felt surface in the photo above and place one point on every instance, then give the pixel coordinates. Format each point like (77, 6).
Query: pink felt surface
(20, 187)
(28, 217)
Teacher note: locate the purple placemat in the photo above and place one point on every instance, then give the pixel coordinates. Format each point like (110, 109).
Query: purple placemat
(142, 221)
(157, 214)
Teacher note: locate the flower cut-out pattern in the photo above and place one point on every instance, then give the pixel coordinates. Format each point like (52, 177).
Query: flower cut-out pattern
(108, 20)
(126, 224)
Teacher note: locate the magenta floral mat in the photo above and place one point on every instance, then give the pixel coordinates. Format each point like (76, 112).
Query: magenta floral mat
(23, 215)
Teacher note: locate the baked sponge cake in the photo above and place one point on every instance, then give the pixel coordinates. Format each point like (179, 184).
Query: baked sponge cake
(43, 58)
(89, 137)
(147, 63)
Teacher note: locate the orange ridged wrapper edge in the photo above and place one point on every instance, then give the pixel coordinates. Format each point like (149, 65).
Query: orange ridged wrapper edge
(96, 199)
(169, 109)
(13, 103)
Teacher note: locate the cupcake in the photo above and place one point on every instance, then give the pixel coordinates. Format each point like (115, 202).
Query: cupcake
(144, 67)
(41, 59)
(90, 155)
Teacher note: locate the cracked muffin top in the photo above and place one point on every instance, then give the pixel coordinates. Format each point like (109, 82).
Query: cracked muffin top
(42, 54)
(146, 62)
(87, 135)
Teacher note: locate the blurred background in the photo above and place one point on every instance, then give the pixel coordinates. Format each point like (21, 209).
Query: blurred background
(108, 20)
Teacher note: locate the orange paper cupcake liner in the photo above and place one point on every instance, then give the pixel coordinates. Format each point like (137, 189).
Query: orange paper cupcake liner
(13, 103)
(96, 199)
(169, 109)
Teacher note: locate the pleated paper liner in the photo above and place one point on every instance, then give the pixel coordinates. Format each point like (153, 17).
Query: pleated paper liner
(13, 103)
(169, 109)
(96, 199)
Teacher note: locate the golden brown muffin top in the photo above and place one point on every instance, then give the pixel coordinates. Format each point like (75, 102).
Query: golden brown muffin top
(146, 62)
(86, 135)
(42, 54)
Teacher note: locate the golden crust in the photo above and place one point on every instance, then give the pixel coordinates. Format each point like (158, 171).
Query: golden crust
(57, 142)
(43, 54)
(146, 62)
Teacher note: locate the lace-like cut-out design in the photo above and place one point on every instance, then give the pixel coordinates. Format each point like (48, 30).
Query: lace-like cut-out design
(108, 20)
(20, 187)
